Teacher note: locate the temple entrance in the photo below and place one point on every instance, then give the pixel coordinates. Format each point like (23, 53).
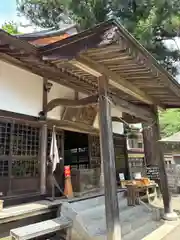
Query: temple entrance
(76, 150)
(76, 154)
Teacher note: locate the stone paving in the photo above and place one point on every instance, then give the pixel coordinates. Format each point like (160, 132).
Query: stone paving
(88, 218)
(175, 203)
(174, 235)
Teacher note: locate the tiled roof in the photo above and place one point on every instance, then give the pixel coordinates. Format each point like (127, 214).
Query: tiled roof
(49, 36)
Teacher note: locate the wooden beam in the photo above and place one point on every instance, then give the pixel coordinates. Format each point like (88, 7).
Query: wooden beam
(132, 109)
(108, 158)
(71, 102)
(17, 43)
(125, 106)
(73, 126)
(115, 80)
(55, 75)
(66, 125)
(76, 95)
(19, 116)
(131, 119)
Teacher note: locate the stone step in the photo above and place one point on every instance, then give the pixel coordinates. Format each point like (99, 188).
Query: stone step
(99, 212)
(100, 209)
(141, 232)
(127, 212)
(83, 205)
(97, 226)
(89, 220)
(96, 233)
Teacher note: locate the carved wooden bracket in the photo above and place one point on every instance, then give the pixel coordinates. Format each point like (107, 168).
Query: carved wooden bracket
(73, 103)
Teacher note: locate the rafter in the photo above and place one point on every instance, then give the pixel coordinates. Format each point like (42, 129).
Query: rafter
(96, 69)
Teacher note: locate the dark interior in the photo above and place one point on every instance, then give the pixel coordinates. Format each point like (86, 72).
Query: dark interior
(76, 152)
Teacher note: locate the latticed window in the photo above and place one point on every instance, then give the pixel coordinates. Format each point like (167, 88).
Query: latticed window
(94, 144)
(5, 135)
(4, 168)
(19, 148)
(25, 140)
(25, 167)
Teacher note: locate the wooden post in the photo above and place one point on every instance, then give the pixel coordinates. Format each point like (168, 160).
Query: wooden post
(43, 139)
(154, 155)
(43, 159)
(107, 156)
(101, 182)
(151, 157)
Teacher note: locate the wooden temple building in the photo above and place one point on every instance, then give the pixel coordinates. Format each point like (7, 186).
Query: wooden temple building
(84, 84)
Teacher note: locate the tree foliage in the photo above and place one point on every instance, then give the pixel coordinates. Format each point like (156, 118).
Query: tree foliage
(170, 122)
(149, 21)
(10, 27)
(45, 13)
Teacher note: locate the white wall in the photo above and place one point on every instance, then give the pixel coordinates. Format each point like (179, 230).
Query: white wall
(20, 90)
(59, 91)
(117, 127)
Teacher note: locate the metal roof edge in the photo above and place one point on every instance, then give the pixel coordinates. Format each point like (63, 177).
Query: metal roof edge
(44, 33)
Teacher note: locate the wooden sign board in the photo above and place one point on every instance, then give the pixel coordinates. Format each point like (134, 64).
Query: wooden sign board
(152, 173)
(85, 115)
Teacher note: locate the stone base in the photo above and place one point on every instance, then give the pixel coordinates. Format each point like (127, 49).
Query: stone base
(170, 216)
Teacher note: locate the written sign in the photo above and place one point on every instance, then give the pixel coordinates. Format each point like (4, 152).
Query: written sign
(121, 176)
(152, 172)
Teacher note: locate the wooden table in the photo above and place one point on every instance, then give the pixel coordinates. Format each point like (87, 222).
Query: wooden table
(136, 192)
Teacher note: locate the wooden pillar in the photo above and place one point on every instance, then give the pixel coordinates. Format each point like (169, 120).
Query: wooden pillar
(155, 156)
(43, 159)
(107, 156)
(43, 139)
(150, 143)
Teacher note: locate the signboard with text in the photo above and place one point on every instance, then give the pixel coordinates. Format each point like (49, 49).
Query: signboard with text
(152, 173)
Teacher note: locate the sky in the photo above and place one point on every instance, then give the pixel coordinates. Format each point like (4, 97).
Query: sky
(8, 13)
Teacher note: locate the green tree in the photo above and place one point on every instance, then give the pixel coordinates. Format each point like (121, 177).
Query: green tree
(10, 27)
(150, 21)
(170, 122)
